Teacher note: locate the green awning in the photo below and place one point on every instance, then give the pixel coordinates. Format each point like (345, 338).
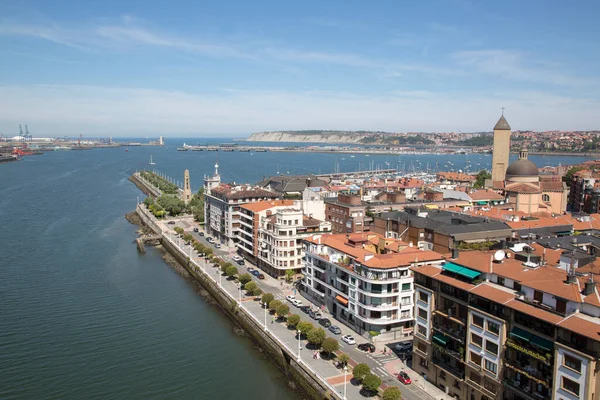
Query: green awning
(460, 270)
(482, 202)
(440, 339)
(520, 334)
(566, 233)
(541, 343)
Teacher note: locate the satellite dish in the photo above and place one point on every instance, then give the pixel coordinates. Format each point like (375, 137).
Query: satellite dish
(499, 255)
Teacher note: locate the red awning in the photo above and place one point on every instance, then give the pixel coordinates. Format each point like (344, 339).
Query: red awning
(342, 300)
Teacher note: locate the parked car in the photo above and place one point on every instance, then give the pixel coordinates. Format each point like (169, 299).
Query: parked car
(171, 222)
(335, 330)
(240, 262)
(218, 245)
(195, 229)
(404, 346)
(305, 309)
(325, 322)
(260, 276)
(404, 378)
(315, 315)
(236, 258)
(290, 298)
(210, 240)
(254, 272)
(368, 347)
(348, 339)
(201, 233)
(297, 302)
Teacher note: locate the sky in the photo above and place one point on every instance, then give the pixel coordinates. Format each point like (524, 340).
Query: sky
(230, 68)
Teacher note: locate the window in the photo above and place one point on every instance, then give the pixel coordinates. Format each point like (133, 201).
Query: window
(405, 287)
(500, 281)
(423, 297)
(405, 314)
(422, 347)
(423, 363)
(491, 347)
(442, 374)
(489, 387)
(476, 340)
(405, 300)
(475, 358)
(572, 362)
(478, 321)
(570, 386)
(491, 366)
(475, 377)
(545, 198)
(493, 327)
(422, 313)
(422, 330)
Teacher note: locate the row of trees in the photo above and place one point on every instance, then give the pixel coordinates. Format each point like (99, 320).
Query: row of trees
(165, 204)
(161, 183)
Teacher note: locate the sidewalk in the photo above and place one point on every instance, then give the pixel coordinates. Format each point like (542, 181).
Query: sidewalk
(418, 381)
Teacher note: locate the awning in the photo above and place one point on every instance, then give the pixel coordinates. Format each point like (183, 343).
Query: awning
(541, 343)
(520, 334)
(460, 270)
(431, 207)
(482, 202)
(566, 233)
(341, 300)
(440, 338)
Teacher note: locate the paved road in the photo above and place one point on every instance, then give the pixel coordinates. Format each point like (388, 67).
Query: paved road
(376, 361)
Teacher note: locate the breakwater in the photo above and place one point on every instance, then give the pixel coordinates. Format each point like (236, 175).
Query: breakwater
(279, 353)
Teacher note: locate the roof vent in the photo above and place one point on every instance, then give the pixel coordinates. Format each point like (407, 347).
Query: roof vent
(590, 286)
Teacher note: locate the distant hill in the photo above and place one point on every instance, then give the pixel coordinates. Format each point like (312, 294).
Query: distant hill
(325, 136)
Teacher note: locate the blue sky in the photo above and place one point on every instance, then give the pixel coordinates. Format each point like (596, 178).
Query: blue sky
(199, 68)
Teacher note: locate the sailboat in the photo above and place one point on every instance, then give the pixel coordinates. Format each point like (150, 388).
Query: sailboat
(151, 162)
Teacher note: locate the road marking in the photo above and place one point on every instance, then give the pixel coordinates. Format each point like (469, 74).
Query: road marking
(383, 370)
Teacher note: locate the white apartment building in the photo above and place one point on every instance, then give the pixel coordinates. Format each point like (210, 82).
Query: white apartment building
(361, 287)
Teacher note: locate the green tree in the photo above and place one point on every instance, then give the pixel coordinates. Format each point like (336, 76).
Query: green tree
(344, 358)
(172, 204)
(245, 278)
(250, 286)
(148, 201)
(570, 172)
(392, 393)
(371, 382)
(273, 304)
(360, 371)
(316, 336)
(330, 345)
(481, 177)
(256, 292)
(293, 320)
(282, 310)
(305, 327)
(289, 274)
(267, 298)
(187, 237)
(231, 271)
(224, 265)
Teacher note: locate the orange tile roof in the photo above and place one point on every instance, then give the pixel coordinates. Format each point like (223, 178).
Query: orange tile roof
(265, 205)
(436, 273)
(492, 293)
(552, 257)
(477, 260)
(481, 195)
(533, 311)
(401, 259)
(523, 188)
(582, 326)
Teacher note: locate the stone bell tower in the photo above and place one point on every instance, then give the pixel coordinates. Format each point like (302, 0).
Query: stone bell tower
(187, 190)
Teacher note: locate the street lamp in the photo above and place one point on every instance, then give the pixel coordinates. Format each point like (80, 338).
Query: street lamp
(240, 294)
(299, 344)
(265, 308)
(345, 372)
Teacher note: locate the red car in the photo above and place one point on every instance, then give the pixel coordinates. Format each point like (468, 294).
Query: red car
(404, 378)
(261, 276)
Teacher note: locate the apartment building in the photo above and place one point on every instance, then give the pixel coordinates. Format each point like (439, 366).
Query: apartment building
(584, 192)
(222, 204)
(488, 329)
(271, 233)
(364, 281)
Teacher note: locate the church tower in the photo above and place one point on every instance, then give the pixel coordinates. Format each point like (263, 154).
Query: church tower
(211, 182)
(501, 149)
(187, 190)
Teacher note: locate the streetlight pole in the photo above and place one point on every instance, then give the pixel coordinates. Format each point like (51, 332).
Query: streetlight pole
(240, 294)
(345, 372)
(265, 308)
(299, 344)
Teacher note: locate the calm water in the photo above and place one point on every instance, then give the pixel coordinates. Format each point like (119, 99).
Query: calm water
(83, 315)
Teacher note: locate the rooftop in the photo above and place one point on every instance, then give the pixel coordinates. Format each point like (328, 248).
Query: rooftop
(238, 192)
(265, 205)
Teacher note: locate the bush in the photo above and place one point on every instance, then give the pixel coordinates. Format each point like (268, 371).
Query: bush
(293, 320)
(231, 271)
(282, 310)
(343, 359)
(187, 237)
(245, 278)
(289, 274)
(305, 327)
(267, 298)
(371, 382)
(250, 286)
(392, 393)
(256, 292)
(330, 345)
(373, 333)
(316, 336)
(273, 304)
(360, 371)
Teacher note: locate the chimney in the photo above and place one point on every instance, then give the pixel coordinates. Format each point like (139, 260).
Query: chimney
(455, 253)
(590, 286)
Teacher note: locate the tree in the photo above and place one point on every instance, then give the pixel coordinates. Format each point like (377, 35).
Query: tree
(360, 371)
(293, 320)
(343, 359)
(231, 271)
(256, 292)
(273, 304)
(392, 393)
(250, 286)
(570, 172)
(187, 237)
(282, 310)
(305, 327)
(172, 204)
(316, 336)
(148, 201)
(481, 177)
(267, 298)
(245, 278)
(330, 345)
(371, 382)
(225, 265)
(289, 274)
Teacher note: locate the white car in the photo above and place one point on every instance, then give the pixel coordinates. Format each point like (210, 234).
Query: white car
(348, 339)
(290, 298)
(236, 258)
(296, 302)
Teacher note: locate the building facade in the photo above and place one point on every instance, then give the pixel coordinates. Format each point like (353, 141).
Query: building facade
(361, 287)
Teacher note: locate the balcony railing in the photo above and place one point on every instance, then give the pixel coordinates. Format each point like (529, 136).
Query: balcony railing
(579, 346)
(528, 372)
(453, 333)
(452, 353)
(451, 315)
(525, 390)
(447, 367)
(530, 352)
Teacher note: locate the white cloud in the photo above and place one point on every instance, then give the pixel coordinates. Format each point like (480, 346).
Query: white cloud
(70, 110)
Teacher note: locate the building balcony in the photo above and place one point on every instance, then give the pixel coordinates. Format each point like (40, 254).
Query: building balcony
(456, 372)
(378, 307)
(545, 358)
(381, 320)
(528, 371)
(451, 316)
(454, 333)
(579, 345)
(524, 389)
(362, 290)
(456, 354)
